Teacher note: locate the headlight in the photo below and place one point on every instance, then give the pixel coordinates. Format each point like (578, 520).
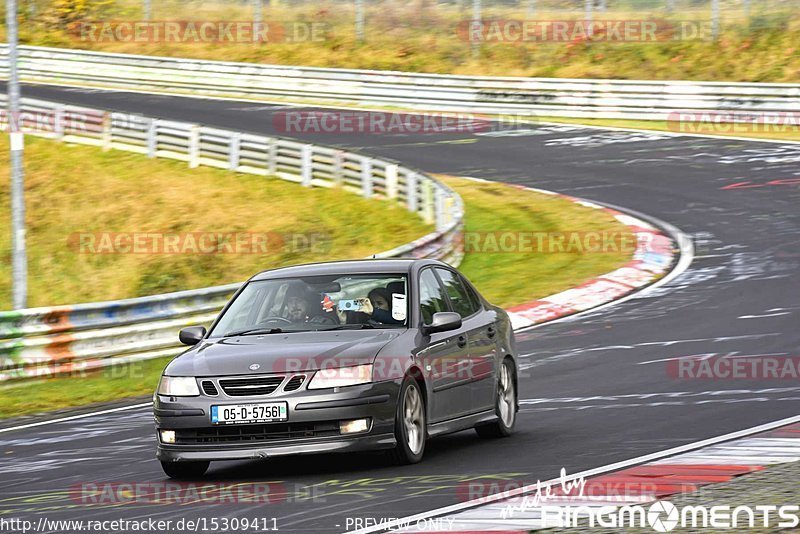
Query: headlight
(178, 386)
(343, 376)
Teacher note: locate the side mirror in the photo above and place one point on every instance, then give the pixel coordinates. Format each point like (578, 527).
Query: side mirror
(442, 322)
(191, 335)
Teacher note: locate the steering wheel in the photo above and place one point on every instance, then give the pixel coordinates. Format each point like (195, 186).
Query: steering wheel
(323, 319)
(276, 318)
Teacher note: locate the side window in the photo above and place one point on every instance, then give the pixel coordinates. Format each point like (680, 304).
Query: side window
(431, 296)
(461, 300)
(473, 296)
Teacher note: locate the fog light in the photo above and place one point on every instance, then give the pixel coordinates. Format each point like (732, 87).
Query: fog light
(354, 426)
(167, 436)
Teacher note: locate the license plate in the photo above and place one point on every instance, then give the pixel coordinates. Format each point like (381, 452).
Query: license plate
(265, 412)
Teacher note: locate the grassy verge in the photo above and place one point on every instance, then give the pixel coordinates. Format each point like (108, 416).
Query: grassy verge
(114, 383)
(506, 278)
(527, 273)
(431, 37)
(78, 196)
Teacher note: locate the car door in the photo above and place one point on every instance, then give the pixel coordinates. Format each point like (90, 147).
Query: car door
(445, 357)
(481, 331)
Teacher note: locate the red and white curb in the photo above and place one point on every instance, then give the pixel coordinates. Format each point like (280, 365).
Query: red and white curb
(653, 257)
(639, 481)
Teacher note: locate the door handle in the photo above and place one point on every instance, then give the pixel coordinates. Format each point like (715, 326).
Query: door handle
(491, 331)
(462, 341)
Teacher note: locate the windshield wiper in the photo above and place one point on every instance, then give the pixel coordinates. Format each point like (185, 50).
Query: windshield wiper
(253, 331)
(361, 326)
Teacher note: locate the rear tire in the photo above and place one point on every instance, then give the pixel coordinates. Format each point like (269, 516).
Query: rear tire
(185, 470)
(505, 405)
(410, 424)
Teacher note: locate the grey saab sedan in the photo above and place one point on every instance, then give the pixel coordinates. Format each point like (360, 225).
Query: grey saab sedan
(338, 357)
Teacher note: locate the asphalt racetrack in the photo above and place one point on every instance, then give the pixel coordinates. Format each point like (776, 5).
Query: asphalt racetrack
(594, 390)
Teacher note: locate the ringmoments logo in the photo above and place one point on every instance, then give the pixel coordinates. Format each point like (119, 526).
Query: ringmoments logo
(553, 501)
(664, 516)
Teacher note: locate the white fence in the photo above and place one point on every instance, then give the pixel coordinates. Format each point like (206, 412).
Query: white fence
(68, 339)
(475, 94)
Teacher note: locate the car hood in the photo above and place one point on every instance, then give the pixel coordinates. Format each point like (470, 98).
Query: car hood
(280, 353)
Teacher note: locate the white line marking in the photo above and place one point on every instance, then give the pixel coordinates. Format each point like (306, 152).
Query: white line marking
(73, 417)
(590, 472)
(764, 316)
(670, 394)
(670, 134)
(711, 355)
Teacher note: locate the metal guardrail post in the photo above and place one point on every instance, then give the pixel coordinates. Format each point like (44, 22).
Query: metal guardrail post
(234, 151)
(152, 137)
(272, 156)
(438, 209)
(338, 167)
(427, 202)
(589, 15)
(449, 209)
(391, 181)
(194, 146)
(411, 191)
(359, 20)
(476, 26)
(305, 165)
(366, 177)
(58, 123)
(714, 19)
(107, 133)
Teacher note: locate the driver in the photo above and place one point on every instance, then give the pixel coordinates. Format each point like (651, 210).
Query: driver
(303, 306)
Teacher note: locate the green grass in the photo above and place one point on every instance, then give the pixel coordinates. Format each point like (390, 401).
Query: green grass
(110, 384)
(509, 278)
(422, 36)
(78, 190)
(504, 278)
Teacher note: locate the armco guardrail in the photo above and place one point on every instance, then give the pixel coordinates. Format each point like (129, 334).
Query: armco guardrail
(657, 100)
(69, 339)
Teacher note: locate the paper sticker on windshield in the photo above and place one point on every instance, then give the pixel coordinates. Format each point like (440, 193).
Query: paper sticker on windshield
(327, 303)
(398, 307)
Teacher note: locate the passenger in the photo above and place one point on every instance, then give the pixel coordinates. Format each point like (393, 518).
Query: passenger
(380, 306)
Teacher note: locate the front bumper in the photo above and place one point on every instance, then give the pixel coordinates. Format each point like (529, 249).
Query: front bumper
(307, 410)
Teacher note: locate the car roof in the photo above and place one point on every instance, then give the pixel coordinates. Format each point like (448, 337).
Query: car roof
(368, 266)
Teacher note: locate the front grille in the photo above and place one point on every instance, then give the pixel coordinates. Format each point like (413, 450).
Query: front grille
(242, 387)
(209, 388)
(256, 433)
(294, 383)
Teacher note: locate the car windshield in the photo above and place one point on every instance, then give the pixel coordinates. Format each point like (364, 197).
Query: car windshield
(330, 302)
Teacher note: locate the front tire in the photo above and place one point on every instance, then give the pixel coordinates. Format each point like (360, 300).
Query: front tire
(505, 405)
(410, 424)
(185, 470)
